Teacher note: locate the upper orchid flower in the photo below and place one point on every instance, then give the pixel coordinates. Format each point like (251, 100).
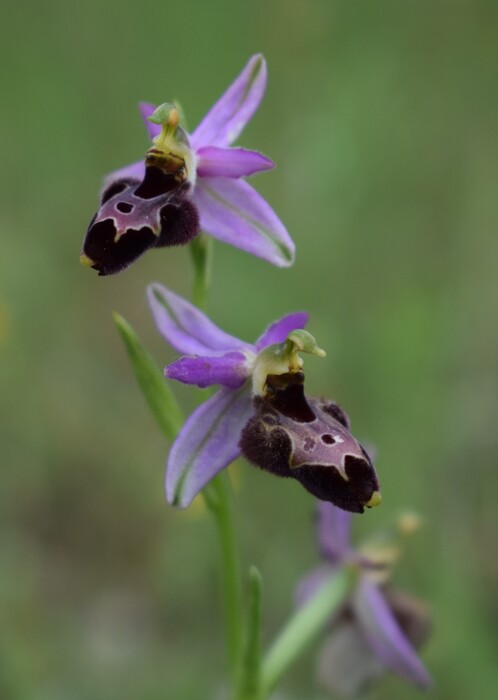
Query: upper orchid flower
(260, 410)
(379, 627)
(189, 183)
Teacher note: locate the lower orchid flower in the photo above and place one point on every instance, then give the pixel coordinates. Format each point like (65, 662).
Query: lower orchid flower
(260, 411)
(378, 628)
(190, 182)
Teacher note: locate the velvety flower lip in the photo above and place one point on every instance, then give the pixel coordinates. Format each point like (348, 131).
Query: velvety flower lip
(378, 628)
(209, 440)
(206, 192)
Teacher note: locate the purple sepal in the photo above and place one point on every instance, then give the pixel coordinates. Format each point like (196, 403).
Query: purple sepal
(278, 331)
(385, 636)
(233, 212)
(207, 443)
(186, 328)
(213, 161)
(334, 527)
(229, 369)
(226, 119)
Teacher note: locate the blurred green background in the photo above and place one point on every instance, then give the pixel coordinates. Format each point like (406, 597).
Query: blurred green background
(382, 119)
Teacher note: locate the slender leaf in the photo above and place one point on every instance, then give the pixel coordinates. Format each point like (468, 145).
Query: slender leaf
(152, 382)
(303, 627)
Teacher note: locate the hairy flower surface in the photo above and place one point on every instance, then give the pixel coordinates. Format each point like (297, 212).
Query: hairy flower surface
(260, 410)
(188, 183)
(378, 628)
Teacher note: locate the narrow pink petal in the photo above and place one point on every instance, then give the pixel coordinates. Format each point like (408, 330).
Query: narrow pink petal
(385, 636)
(186, 328)
(229, 369)
(334, 525)
(146, 110)
(207, 443)
(233, 212)
(278, 331)
(226, 119)
(213, 161)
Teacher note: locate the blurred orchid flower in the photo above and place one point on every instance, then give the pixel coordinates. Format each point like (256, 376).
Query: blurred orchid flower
(260, 410)
(378, 628)
(188, 183)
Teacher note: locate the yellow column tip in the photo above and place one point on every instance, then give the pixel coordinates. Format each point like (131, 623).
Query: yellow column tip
(85, 260)
(375, 500)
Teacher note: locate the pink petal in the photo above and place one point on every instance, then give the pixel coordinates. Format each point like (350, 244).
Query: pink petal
(230, 162)
(334, 525)
(229, 369)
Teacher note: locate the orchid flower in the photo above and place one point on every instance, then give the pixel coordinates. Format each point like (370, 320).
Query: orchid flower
(260, 410)
(378, 628)
(188, 183)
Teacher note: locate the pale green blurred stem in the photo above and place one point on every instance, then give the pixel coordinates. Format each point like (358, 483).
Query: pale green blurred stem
(218, 493)
(201, 252)
(219, 501)
(249, 670)
(303, 628)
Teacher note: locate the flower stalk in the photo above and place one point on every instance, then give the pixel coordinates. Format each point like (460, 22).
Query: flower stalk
(249, 676)
(218, 500)
(201, 252)
(218, 493)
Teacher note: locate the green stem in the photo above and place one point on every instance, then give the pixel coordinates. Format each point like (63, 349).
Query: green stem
(201, 250)
(303, 628)
(218, 493)
(249, 675)
(218, 500)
